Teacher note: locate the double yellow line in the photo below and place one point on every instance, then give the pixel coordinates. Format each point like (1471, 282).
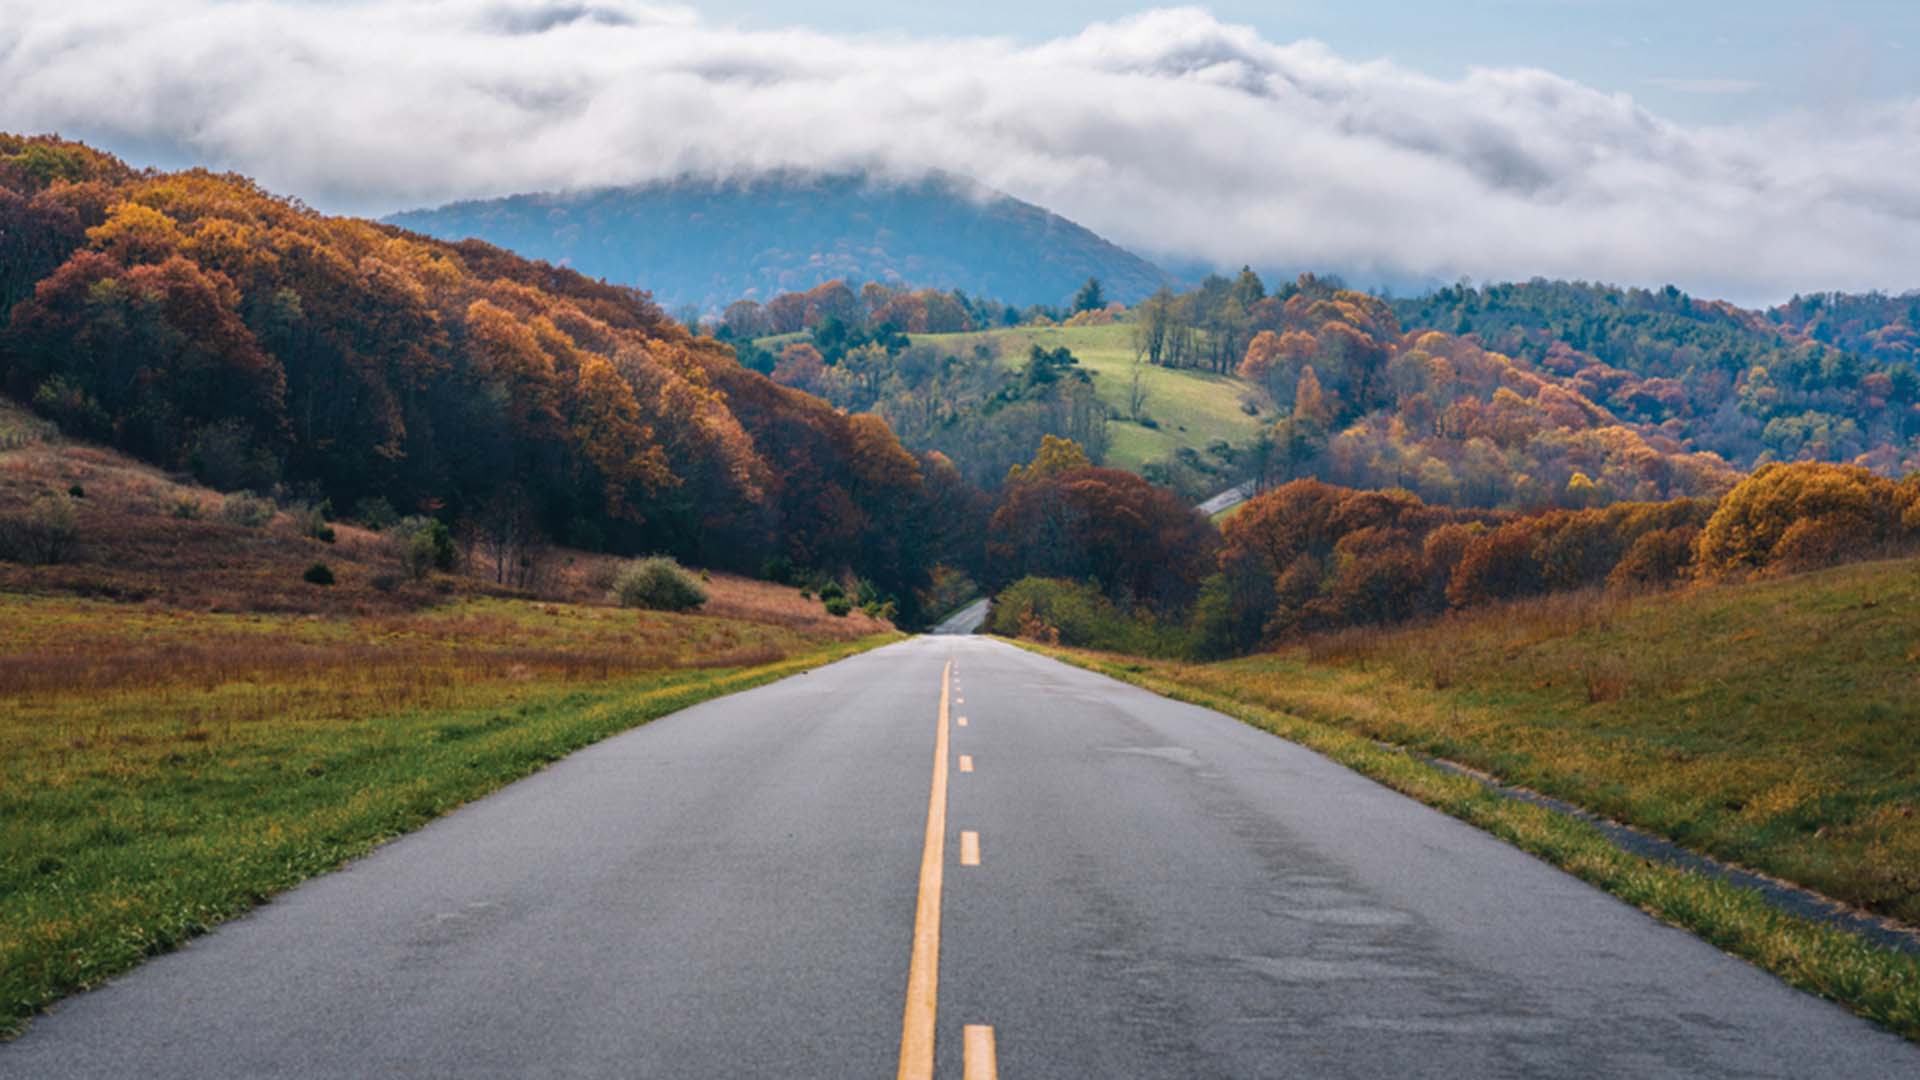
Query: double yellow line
(923, 972)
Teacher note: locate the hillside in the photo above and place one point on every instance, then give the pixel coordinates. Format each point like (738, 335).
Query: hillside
(708, 243)
(1828, 377)
(204, 325)
(1182, 409)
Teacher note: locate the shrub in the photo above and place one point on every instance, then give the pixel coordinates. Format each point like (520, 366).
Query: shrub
(246, 510)
(657, 583)
(839, 607)
(423, 544)
(45, 533)
(76, 491)
(1657, 559)
(781, 571)
(832, 591)
(186, 506)
(318, 574)
(313, 522)
(1077, 614)
(1800, 516)
(376, 513)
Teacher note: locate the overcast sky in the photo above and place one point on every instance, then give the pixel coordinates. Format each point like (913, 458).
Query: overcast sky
(1747, 150)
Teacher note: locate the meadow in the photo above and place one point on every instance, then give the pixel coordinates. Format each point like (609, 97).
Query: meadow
(1191, 408)
(162, 770)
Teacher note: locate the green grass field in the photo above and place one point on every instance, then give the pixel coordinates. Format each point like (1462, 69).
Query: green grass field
(163, 769)
(1192, 408)
(1774, 724)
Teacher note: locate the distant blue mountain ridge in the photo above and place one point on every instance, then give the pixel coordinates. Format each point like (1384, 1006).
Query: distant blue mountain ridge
(709, 242)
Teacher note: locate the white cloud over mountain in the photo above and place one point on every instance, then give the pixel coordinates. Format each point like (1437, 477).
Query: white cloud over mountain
(1170, 132)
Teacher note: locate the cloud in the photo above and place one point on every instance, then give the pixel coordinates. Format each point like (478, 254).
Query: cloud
(1706, 86)
(1171, 132)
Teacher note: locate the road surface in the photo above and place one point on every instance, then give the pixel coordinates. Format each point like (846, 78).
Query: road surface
(1090, 881)
(965, 621)
(1227, 499)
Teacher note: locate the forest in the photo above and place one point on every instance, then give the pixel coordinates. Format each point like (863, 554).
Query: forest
(208, 326)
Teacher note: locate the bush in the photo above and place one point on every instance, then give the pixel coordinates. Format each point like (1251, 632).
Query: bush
(76, 491)
(423, 545)
(832, 591)
(318, 574)
(1656, 560)
(313, 522)
(657, 583)
(1076, 613)
(248, 511)
(1799, 516)
(45, 533)
(186, 506)
(376, 513)
(839, 607)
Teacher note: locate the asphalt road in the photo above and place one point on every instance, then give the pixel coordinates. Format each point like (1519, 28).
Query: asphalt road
(1227, 499)
(965, 621)
(738, 891)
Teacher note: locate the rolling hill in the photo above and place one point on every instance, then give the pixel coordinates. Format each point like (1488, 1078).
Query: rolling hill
(708, 242)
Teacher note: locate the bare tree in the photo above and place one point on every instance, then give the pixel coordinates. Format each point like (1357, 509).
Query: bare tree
(505, 539)
(1137, 392)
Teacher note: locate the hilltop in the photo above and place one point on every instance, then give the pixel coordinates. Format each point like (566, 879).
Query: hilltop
(708, 242)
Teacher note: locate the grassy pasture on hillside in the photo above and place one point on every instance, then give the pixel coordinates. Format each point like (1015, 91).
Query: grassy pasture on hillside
(1192, 408)
(161, 770)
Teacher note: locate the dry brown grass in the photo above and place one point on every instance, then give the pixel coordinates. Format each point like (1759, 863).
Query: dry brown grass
(585, 578)
(134, 550)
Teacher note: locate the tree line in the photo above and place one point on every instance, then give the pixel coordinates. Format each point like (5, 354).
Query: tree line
(1309, 557)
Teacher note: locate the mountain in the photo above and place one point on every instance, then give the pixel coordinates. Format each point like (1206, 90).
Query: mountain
(708, 242)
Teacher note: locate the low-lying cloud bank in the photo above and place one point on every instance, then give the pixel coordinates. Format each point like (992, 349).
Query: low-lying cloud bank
(1170, 132)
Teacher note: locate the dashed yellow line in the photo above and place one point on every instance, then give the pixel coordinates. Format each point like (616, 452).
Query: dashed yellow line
(962, 721)
(966, 762)
(976, 1045)
(969, 849)
(923, 970)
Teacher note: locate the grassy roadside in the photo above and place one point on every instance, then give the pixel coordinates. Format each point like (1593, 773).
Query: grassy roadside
(1877, 983)
(1775, 724)
(149, 791)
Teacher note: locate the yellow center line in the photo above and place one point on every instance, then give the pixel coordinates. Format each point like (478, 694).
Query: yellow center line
(962, 721)
(969, 849)
(976, 1045)
(966, 762)
(923, 971)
